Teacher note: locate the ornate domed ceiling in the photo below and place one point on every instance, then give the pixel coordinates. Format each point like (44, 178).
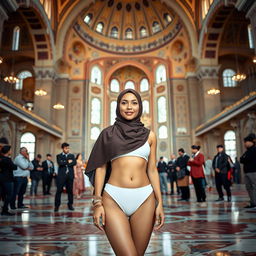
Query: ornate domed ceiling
(128, 26)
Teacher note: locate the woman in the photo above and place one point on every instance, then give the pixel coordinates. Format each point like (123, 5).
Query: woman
(78, 186)
(6, 175)
(197, 173)
(124, 156)
(183, 179)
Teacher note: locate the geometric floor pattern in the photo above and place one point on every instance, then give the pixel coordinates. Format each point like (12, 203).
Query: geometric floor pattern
(217, 229)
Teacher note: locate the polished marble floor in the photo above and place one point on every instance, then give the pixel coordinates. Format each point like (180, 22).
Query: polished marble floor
(217, 229)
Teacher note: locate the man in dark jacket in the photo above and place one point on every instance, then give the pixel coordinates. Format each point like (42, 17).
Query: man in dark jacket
(36, 174)
(48, 173)
(6, 176)
(65, 176)
(221, 166)
(172, 174)
(248, 159)
(162, 170)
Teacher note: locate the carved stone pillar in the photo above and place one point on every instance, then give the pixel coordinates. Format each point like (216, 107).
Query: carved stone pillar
(239, 145)
(45, 79)
(20, 128)
(208, 79)
(5, 130)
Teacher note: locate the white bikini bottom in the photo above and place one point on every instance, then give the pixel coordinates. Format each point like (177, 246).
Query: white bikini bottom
(129, 199)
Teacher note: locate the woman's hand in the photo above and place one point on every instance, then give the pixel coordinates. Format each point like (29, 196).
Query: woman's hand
(159, 213)
(99, 217)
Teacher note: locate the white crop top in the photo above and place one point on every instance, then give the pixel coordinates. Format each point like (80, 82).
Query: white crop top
(142, 152)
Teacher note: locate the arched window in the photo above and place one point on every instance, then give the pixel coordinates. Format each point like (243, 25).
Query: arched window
(161, 109)
(128, 33)
(160, 74)
(95, 111)
(227, 78)
(143, 32)
(114, 32)
(100, 27)
(162, 132)
(144, 85)
(129, 85)
(112, 112)
(96, 75)
(250, 36)
(95, 132)
(167, 18)
(230, 144)
(28, 140)
(145, 104)
(22, 75)
(156, 27)
(114, 85)
(16, 38)
(88, 18)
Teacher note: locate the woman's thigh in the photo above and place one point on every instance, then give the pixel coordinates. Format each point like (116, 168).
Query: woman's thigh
(142, 223)
(117, 228)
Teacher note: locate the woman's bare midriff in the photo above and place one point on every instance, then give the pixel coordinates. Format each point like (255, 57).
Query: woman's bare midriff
(129, 172)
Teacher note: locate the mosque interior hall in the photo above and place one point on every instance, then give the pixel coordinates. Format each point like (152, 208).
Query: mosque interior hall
(63, 64)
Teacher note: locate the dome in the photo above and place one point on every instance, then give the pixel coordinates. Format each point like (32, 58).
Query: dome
(127, 26)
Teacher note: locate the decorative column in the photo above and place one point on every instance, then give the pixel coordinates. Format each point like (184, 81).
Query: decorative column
(45, 77)
(210, 104)
(20, 128)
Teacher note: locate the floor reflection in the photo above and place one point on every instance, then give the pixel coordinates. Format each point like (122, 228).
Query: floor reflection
(216, 229)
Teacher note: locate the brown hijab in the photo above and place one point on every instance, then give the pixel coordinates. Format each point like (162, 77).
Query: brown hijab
(120, 138)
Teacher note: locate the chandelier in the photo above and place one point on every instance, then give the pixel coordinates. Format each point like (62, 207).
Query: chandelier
(58, 106)
(254, 59)
(213, 91)
(238, 77)
(40, 92)
(1, 60)
(11, 79)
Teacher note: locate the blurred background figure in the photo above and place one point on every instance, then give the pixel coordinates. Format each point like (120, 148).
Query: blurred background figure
(208, 171)
(197, 173)
(87, 184)
(6, 176)
(162, 170)
(36, 174)
(248, 159)
(172, 174)
(48, 174)
(237, 171)
(79, 168)
(183, 182)
(24, 166)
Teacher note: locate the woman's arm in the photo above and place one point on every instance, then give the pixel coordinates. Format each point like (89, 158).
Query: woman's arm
(99, 212)
(155, 182)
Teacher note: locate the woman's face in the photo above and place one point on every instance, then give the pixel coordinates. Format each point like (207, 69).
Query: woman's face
(129, 106)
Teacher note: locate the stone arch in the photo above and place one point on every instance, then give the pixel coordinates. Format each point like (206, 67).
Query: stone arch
(213, 27)
(41, 31)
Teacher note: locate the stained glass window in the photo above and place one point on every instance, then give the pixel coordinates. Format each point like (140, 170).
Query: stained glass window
(95, 111)
(227, 78)
(95, 132)
(129, 85)
(230, 144)
(161, 107)
(144, 85)
(112, 112)
(114, 85)
(160, 74)
(162, 132)
(16, 38)
(28, 140)
(96, 75)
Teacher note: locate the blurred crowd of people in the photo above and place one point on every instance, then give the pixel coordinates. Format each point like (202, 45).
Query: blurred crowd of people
(220, 172)
(17, 173)
(178, 173)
